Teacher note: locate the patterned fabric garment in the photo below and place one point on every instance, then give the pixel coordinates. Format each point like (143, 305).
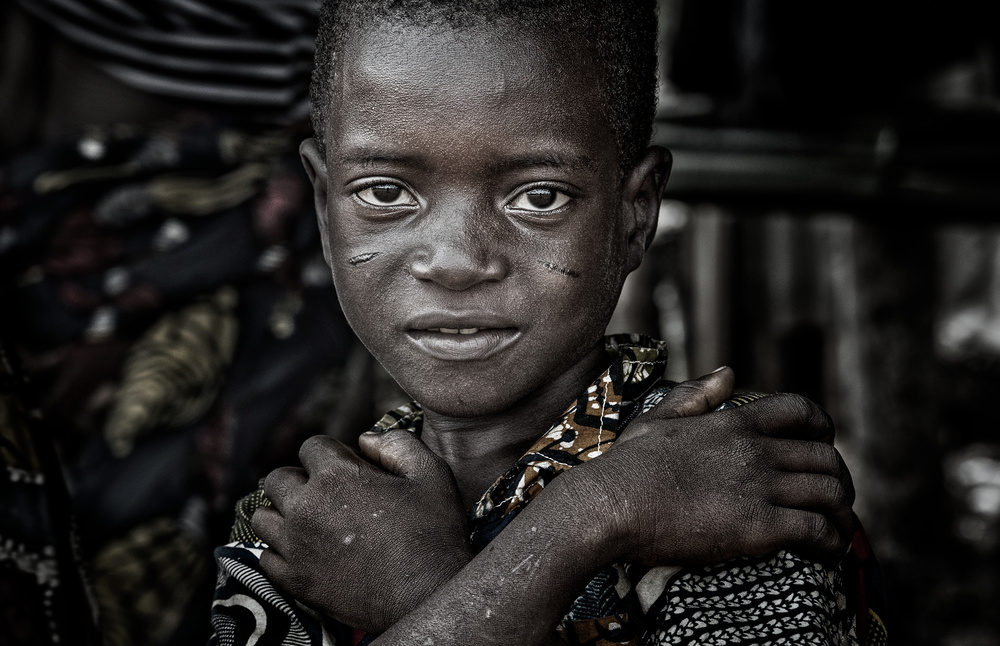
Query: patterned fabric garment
(165, 289)
(251, 54)
(44, 597)
(778, 599)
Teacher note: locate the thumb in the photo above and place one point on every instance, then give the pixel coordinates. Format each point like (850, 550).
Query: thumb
(399, 452)
(697, 396)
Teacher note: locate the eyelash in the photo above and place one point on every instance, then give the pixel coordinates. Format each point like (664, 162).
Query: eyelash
(561, 199)
(404, 192)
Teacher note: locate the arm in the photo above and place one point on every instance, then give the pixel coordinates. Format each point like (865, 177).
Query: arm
(576, 527)
(517, 589)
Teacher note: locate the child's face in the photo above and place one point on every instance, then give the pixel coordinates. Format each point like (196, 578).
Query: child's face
(477, 224)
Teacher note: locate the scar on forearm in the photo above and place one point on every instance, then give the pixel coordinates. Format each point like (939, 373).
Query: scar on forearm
(362, 258)
(565, 271)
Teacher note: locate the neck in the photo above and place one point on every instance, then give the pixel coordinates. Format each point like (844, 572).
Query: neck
(481, 449)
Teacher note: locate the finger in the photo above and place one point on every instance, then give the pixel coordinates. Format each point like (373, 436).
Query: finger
(274, 566)
(323, 454)
(820, 493)
(697, 396)
(789, 416)
(846, 480)
(803, 532)
(814, 457)
(806, 456)
(280, 483)
(399, 452)
(269, 526)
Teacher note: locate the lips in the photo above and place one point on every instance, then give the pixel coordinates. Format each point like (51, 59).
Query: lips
(461, 337)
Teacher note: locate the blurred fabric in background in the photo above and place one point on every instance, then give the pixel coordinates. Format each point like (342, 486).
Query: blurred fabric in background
(831, 229)
(164, 288)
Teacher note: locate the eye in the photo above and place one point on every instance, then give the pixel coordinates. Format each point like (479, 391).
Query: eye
(540, 199)
(386, 194)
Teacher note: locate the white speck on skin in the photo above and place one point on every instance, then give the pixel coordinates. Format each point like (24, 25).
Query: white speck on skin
(347, 540)
(525, 561)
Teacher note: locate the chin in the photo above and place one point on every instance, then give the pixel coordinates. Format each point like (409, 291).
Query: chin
(460, 398)
(453, 405)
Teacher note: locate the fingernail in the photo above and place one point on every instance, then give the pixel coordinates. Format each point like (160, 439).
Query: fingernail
(719, 369)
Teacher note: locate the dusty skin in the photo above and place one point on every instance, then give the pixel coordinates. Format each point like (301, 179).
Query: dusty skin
(478, 252)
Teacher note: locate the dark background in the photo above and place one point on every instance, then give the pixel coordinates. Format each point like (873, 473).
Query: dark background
(836, 233)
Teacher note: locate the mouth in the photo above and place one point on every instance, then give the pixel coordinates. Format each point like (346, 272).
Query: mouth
(472, 343)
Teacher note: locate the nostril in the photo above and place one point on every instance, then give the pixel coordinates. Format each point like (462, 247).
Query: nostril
(456, 268)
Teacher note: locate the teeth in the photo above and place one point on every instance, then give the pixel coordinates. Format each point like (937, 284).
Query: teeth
(468, 330)
(451, 330)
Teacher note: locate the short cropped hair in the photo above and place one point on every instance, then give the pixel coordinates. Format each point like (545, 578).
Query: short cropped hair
(623, 33)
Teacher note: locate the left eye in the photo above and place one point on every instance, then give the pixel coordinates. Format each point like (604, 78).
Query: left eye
(386, 195)
(540, 199)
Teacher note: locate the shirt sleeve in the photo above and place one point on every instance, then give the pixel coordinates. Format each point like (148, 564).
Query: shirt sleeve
(780, 599)
(247, 609)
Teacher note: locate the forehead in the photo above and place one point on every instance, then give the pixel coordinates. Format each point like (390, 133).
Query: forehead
(493, 84)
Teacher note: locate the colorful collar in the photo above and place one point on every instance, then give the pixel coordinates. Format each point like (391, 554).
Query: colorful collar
(587, 428)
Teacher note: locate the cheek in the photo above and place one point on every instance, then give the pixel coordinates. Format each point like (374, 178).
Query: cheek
(586, 297)
(365, 292)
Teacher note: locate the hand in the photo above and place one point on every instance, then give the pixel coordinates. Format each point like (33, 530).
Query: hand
(363, 541)
(683, 485)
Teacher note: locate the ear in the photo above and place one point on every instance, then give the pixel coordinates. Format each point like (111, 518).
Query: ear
(642, 191)
(315, 167)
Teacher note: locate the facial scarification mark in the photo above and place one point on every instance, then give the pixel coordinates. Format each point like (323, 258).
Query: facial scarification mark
(565, 271)
(362, 258)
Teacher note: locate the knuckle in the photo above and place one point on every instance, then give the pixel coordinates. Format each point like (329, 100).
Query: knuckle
(763, 527)
(835, 491)
(824, 421)
(796, 406)
(687, 390)
(257, 523)
(826, 457)
(820, 532)
(835, 463)
(274, 484)
(312, 445)
(685, 399)
(390, 443)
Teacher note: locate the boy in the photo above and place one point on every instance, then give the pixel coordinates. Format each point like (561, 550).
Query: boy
(484, 185)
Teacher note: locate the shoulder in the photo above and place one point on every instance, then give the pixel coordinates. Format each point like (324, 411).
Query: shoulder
(777, 599)
(660, 390)
(780, 598)
(247, 608)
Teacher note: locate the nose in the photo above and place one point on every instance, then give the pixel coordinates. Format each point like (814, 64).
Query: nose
(457, 247)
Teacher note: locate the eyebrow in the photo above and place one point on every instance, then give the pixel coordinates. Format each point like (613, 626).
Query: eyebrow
(374, 158)
(531, 160)
(549, 160)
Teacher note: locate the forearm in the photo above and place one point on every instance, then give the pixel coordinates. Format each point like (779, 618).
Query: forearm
(518, 588)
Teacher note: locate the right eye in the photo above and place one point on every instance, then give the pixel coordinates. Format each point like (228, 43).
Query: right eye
(386, 194)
